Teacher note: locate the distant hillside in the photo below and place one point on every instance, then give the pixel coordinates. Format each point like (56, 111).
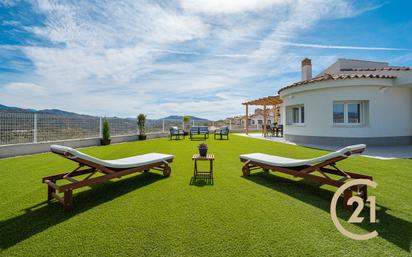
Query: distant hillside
(4, 108)
(180, 118)
(14, 109)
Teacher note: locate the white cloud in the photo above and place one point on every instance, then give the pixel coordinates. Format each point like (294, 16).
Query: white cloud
(194, 57)
(26, 89)
(229, 6)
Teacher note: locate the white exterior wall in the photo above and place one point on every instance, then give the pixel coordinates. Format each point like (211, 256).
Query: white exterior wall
(352, 64)
(390, 110)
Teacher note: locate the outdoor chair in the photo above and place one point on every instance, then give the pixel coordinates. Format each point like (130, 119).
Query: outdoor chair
(176, 133)
(306, 168)
(272, 129)
(268, 129)
(279, 130)
(199, 130)
(223, 131)
(91, 166)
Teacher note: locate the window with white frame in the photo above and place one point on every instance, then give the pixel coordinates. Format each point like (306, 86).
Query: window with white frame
(350, 112)
(295, 114)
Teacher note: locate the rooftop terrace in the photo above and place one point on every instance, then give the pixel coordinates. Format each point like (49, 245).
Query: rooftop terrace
(236, 216)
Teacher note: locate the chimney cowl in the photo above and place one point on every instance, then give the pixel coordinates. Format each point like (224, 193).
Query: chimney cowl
(306, 61)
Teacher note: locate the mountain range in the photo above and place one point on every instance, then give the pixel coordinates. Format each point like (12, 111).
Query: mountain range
(180, 118)
(4, 108)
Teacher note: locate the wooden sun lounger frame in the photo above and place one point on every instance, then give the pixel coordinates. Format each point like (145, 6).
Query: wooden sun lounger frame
(91, 168)
(306, 172)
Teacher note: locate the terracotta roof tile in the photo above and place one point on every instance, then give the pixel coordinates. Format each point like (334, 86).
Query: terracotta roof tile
(338, 77)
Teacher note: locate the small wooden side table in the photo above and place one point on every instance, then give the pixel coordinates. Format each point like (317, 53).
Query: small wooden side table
(208, 157)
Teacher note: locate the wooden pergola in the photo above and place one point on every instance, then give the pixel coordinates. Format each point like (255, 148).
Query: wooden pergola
(264, 101)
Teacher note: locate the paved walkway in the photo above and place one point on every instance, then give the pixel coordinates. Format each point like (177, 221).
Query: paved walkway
(377, 152)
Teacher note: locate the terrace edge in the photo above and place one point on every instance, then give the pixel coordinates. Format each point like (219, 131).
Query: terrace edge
(42, 147)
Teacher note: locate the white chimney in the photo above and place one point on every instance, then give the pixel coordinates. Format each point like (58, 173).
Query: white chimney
(306, 69)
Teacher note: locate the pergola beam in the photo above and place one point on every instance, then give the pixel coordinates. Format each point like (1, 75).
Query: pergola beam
(269, 100)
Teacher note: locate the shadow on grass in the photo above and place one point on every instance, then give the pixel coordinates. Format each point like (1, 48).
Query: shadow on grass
(201, 181)
(42, 216)
(390, 228)
(198, 139)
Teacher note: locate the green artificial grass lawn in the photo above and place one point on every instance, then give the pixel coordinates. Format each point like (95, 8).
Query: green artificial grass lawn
(146, 214)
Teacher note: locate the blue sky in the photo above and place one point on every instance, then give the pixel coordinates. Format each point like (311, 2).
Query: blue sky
(199, 57)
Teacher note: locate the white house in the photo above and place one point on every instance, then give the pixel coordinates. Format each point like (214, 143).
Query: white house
(352, 101)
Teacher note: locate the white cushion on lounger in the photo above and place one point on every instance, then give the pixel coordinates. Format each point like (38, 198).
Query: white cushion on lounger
(289, 162)
(129, 162)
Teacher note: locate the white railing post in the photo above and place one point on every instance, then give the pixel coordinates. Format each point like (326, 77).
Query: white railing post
(35, 129)
(100, 127)
(163, 126)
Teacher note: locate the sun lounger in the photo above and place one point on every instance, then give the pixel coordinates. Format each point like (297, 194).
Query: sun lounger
(90, 166)
(306, 168)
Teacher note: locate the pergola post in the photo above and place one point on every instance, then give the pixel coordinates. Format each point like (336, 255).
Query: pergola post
(247, 119)
(275, 118)
(264, 120)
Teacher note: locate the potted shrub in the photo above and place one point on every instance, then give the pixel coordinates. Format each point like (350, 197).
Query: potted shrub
(105, 140)
(203, 149)
(141, 124)
(186, 123)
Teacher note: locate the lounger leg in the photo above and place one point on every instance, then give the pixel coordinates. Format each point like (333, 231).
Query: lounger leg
(68, 200)
(50, 192)
(246, 170)
(166, 171)
(347, 194)
(363, 192)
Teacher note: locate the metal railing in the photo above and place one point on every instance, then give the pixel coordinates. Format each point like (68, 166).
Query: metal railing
(21, 128)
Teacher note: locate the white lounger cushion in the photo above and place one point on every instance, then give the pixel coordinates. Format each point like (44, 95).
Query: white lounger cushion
(129, 162)
(289, 162)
